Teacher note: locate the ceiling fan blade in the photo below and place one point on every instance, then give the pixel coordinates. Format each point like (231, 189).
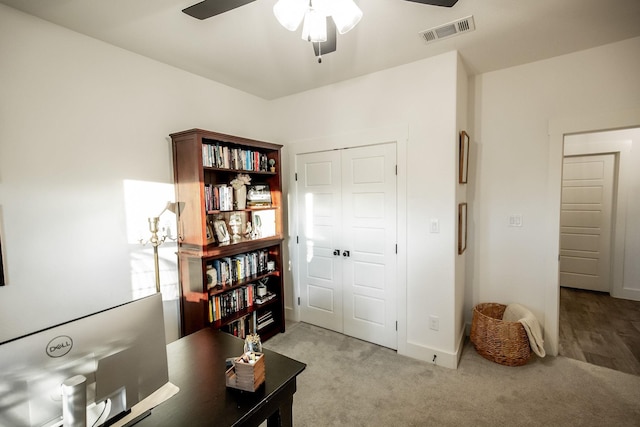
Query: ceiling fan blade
(444, 3)
(208, 8)
(322, 48)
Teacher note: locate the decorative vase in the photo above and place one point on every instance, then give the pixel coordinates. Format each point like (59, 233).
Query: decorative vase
(241, 197)
(252, 344)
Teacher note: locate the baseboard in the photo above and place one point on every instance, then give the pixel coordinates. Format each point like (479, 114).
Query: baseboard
(291, 314)
(626, 293)
(467, 329)
(462, 336)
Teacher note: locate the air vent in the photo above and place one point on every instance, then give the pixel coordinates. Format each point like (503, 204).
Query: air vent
(451, 29)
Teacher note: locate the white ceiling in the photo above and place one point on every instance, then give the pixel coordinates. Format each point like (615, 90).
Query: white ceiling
(247, 49)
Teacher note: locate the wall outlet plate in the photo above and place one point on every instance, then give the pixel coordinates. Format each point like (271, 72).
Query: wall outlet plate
(434, 323)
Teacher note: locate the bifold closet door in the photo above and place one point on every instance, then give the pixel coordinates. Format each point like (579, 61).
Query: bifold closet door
(319, 192)
(347, 205)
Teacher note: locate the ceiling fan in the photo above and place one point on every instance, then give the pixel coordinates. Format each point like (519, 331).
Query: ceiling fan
(208, 8)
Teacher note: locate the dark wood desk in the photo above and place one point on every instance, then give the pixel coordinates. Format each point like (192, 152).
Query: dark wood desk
(197, 367)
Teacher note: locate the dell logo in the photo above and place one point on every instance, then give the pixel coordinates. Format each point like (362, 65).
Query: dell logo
(59, 346)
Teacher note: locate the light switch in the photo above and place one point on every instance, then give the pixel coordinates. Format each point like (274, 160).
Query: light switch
(434, 225)
(515, 220)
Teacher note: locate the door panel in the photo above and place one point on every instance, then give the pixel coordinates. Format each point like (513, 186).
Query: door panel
(319, 207)
(585, 222)
(369, 209)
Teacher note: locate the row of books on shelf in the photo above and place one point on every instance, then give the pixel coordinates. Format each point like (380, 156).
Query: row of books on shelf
(240, 328)
(218, 197)
(228, 303)
(225, 157)
(226, 271)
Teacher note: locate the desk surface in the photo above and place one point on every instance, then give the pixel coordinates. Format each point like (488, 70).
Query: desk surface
(197, 367)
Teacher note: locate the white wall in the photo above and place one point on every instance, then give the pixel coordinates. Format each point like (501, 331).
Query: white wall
(462, 105)
(78, 118)
(516, 170)
(420, 97)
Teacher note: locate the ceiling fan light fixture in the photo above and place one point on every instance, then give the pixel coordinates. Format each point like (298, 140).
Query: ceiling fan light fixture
(290, 13)
(345, 13)
(314, 28)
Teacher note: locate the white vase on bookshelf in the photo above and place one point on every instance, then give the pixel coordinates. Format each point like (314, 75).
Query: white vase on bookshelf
(241, 197)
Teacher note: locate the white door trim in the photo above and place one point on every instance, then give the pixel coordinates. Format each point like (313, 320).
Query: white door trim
(398, 134)
(558, 128)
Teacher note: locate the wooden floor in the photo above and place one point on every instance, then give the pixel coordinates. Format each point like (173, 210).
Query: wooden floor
(599, 329)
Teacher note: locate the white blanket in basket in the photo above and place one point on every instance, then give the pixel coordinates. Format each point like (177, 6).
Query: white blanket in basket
(519, 313)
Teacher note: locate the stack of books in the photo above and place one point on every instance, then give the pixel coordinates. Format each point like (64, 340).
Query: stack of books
(265, 320)
(261, 300)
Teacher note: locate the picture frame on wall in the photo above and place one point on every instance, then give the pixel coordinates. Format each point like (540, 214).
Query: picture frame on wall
(463, 169)
(462, 228)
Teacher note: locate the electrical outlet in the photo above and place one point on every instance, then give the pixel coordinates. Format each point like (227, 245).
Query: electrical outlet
(434, 323)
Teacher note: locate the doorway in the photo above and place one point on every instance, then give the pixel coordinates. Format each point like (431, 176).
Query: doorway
(596, 311)
(347, 222)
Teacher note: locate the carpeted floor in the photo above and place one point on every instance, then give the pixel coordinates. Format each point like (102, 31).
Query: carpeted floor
(349, 382)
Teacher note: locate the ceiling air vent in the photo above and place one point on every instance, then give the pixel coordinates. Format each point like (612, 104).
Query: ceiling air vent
(451, 29)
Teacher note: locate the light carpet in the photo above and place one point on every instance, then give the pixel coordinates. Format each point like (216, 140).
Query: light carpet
(349, 382)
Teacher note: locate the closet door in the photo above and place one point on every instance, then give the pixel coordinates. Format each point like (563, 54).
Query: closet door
(347, 241)
(319, 214)
(369, 236)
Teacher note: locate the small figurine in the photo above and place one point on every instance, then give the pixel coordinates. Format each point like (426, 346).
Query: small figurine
(257, 228)
(248, 230)
(235, 221)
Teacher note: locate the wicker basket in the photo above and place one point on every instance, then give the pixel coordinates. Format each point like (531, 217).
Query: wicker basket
(502, 342)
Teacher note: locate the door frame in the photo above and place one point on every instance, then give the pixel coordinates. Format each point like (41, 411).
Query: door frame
(558, 128)
(393, 134)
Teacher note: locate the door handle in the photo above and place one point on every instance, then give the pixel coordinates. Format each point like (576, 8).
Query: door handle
(345, 254)
(336, 252)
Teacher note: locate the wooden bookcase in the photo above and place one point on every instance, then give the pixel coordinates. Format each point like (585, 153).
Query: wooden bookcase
(207, 299)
